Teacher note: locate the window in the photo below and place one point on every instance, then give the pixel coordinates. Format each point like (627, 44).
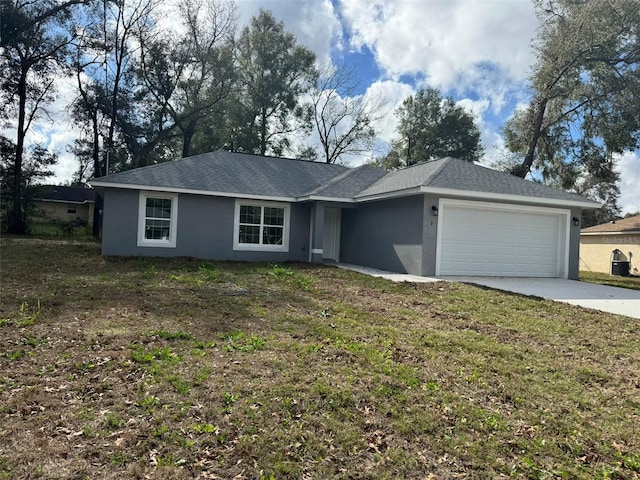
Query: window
(71, 209)
(157, 217)
(261, 226)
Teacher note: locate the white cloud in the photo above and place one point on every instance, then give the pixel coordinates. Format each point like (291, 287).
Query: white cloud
(393, 93)
(629, 167)
(490, 137)
(456, 44)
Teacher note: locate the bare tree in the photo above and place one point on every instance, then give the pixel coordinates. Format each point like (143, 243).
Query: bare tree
(193, 75)
(342, 117)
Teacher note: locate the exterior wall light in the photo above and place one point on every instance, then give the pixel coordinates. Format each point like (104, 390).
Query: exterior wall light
(434, 211)
(576, 221)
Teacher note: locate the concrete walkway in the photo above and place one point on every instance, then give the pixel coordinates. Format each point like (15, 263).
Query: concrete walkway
(396, 277)
(621, 301)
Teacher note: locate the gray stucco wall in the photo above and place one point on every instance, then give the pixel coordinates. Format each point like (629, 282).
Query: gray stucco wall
(429, 236)
(574, 245)
(385, 234)
(204, 229)
(398, 235)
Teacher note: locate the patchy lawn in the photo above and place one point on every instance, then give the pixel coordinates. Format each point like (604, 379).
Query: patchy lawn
(175, 368)
(632, 282)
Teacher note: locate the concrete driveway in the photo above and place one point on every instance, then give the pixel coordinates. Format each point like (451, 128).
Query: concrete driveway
(622, 301)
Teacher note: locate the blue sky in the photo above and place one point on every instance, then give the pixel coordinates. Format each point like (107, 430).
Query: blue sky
(477, 51)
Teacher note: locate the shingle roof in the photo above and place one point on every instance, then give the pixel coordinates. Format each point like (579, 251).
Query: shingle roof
(349, 183)
(624, 225)
(62, 193)
(453, 174)
(405, 179)
(273, 177)
(233, 173)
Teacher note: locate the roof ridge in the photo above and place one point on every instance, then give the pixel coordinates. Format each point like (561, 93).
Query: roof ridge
(341, 176)
(272, 157)
(333, 181)
(204, 155)
(445, 161)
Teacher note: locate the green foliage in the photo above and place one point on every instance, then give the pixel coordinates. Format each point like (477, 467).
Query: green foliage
(431, 127)
(165, 461)
(238, 341)
(60, 230)
(204, 428)
(17, 355)
(27, 315)
(274, 72)
(180, 385)
(149, 402)
(112, 421)
(279, 271)
(118, 459)
(166, 335)
(584, 89)
(164, 354)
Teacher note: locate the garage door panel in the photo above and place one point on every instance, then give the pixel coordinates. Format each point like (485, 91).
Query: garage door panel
(499, 242)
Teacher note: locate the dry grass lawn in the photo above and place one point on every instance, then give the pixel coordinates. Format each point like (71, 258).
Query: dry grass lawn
(152, 368)
(631, 281)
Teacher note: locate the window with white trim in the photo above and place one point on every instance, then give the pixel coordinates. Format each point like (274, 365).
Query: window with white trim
(261, 226)
(157, 219)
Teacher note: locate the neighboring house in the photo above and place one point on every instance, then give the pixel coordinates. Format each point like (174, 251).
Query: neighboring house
(445, 217)
(617, 241)
(64, 204)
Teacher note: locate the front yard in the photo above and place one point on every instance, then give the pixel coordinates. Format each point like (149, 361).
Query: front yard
(177, 368)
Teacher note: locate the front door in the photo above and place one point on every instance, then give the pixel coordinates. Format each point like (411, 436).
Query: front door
(331, 234)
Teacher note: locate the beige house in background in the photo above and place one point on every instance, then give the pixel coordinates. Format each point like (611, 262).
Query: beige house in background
(65, 204)
(598, 243)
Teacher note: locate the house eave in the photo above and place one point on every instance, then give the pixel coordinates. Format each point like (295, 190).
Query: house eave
(209, 193)
(320, 198)
(64, 201)
(445, 192)
(392, 194)
(510, 198)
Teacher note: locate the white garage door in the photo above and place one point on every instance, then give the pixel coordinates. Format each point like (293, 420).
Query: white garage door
(501, 240)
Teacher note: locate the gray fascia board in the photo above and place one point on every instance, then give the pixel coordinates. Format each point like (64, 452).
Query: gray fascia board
(392, 194)
(193, 192)
(84, 202)
(510, 198)
(320, 198)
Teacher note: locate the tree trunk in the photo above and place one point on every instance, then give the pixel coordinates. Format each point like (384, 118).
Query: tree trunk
(525, 167)
(263, 132)
(97, 207)
(187, 136)
(16, 221)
